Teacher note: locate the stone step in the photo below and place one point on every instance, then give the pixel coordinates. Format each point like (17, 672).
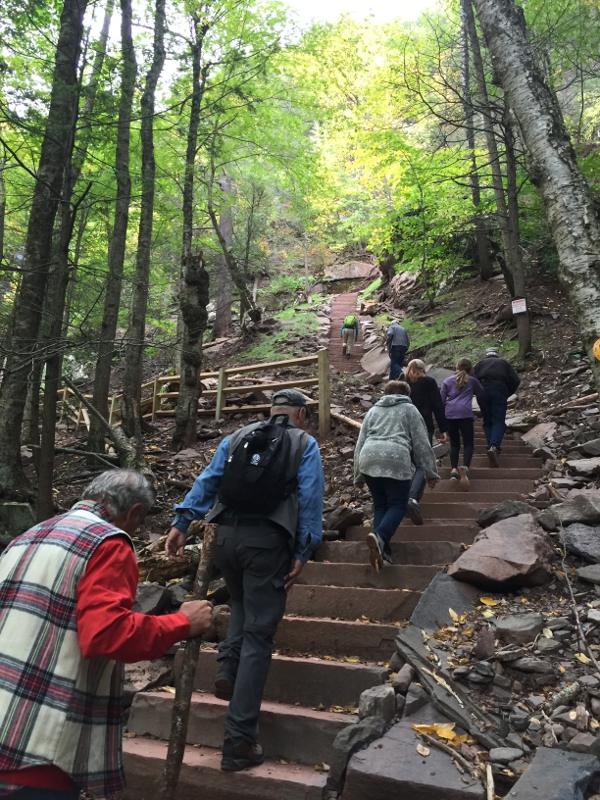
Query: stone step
(365, 576)
(499, 484)
(418, 553)
(450, 530)
(508, 461)
(313, 636)
(307, 682)
(350, 603)
(435, 497)
(529, 473)
(201, 776)
(286, 731)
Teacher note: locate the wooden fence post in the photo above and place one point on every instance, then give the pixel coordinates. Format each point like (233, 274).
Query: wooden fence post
(221, 396)
(324, 394)
(111, 413)
(155, 398)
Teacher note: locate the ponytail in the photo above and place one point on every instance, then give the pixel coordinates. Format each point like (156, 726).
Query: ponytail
(463, 371)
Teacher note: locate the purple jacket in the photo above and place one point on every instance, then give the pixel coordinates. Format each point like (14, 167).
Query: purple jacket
(459, 402)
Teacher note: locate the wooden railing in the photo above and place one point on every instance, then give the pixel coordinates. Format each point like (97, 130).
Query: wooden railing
(152, 406)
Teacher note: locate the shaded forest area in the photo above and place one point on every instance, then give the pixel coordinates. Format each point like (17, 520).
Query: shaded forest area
(173, 173)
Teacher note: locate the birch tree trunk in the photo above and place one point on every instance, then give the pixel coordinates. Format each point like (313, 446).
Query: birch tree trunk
(553, 164)
(116, 248)
(223, 325)
(134, 348)
(29, 302)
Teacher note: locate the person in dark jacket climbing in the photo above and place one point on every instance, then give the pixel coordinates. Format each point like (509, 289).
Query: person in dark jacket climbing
(425, 395)
(398, 342)
(499, 381)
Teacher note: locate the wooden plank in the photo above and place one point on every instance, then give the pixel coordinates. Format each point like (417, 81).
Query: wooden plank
(155, 398)
(248, 409)
(111, 413)
(324, 394)
(271, 364)
(273, 386)
(220, 392)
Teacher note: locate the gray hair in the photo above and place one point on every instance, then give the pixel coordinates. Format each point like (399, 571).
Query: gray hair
(120, 489)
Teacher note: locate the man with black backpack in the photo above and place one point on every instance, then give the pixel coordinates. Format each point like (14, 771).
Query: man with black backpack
(264, 487)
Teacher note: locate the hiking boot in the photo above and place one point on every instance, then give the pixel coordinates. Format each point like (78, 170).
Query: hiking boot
(455, 474)
(347, 354)
(344, 349)
(414, 512)
(492, 455)
(240, 754)
(225, 680)
(464, 478)
(375, 546)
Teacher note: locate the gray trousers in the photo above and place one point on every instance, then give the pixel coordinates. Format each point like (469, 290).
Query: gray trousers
(254, 561)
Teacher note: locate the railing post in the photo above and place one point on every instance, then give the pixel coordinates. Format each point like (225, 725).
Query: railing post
(155, 398)
(220, 393)
(112, 410)
(324, 394)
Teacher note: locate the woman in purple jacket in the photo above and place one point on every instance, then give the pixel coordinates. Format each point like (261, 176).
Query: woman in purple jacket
(457, 395)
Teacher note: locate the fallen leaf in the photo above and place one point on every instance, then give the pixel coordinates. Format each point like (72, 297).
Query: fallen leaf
(441, 728)
(453, 614)
(337, 709)
(561, 669)
(129, 735)
(487, 614)
(422, 750)
(488, 601)
(594, 724)
(548, 633)
(170, 689)
(467, 632)
(352, 660)
(583, 658)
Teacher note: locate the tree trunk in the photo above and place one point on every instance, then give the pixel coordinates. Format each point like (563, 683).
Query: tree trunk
(486, 269)
(134, 347)
(116, 248)
(223, 325)
(2, 207)
(553, 164)
(193, 272)
(38, 245)
(193, 301)
(506, 208)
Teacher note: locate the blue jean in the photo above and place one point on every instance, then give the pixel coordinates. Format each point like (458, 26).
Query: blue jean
(397, 353)
(390, 499)
(493, 405)
(33, 793)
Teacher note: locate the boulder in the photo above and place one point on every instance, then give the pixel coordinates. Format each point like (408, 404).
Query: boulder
(583, 743)
(584, 541)
(503, 755)
(556, 775)
(380, 701)
(583, 507)
(416, 699)
(484, 646)
(585, 466)
(539, 433)
(519, 628)
(548, 520)
(16, 518)
(505, 510)
(590, 574)
(591, 449)
(144, 676)
(533, 666)
(442, 594)
(349, 741)
(343, 517)
(376, 363)
(151, 598)
(511, 553)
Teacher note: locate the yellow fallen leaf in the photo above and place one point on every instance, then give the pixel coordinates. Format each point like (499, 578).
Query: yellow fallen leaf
(594, 724)
(488, 601)
(524, 599)
(561, 669)
(422, 750)
(572, 715)
(548, 633)
(583, 658)
(453, 614)
(351, 660)
(170, 689)
(487, 614)
(129, 735)
(467, 632)
(337, 709)
(441, 728)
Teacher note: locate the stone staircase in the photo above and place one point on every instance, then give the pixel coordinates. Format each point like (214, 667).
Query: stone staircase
(334, 642)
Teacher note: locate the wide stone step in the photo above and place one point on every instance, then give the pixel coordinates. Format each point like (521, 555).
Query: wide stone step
(311, 636)
(307, 682)
(417, 553)
(286, 731)
(499, 484)
(508, 461)
(435, 497)
(450, 530)
(201, 776)
(529, 473)
(351, 603)
(365, 576)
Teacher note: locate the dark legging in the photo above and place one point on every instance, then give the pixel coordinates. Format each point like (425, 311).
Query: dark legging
(456, 429)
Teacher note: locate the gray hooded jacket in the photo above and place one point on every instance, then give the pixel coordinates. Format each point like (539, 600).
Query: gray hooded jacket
(393, 437)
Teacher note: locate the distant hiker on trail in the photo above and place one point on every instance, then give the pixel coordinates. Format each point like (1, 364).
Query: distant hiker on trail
(499, 381)
(393, 436)
(457, 395)
(264, 487)
(425, 396)
(67, 587)
(398, 342)
(349, 333)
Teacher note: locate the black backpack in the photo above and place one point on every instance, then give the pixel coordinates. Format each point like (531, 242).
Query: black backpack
(255, 479)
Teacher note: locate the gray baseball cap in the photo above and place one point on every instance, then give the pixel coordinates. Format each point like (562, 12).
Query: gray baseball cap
(288, 397)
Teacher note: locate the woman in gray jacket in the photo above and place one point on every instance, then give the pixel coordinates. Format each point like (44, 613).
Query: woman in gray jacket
(393, 436)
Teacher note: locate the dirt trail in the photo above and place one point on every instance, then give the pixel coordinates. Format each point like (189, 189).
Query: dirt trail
(341, 306)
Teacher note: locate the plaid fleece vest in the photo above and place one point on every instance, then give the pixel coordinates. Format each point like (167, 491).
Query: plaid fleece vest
(55, 706)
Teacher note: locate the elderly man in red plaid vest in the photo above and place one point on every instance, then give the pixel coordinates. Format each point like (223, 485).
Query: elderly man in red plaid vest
(66, 628)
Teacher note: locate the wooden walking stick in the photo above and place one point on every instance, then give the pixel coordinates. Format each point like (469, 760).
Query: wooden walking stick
(185, 684)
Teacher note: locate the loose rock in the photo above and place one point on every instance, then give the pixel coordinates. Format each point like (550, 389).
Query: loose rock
(403, 679)
(556, 775)
(380, 701)
(583, 540)
(519, 628)
(505, 510)
(502, 755)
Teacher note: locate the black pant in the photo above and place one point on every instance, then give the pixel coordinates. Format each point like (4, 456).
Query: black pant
(456, 429)
(254, 561)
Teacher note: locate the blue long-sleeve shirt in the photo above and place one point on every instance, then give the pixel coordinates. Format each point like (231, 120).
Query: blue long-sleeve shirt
(311, 486)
